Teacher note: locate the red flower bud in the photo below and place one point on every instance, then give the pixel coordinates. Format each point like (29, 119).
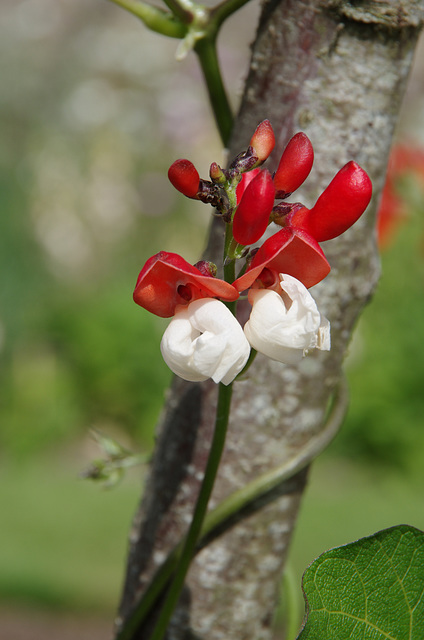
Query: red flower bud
(295, 164)
(184, 177)
(263, 140)
(252, 214)
(338, 207)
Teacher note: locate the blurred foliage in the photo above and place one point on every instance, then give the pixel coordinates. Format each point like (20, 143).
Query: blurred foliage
(385, 421)
(84, 200)
(63, 542)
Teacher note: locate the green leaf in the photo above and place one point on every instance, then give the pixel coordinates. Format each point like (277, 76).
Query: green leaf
(371, 589)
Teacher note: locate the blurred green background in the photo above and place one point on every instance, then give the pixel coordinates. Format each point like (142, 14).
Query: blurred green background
(93, 110)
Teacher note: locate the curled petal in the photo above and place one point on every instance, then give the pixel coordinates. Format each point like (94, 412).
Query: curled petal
(290, 251)
(295, 164)
(168, 280)
(338, 207)
(252, 214)
(284, 325)
(205, 340)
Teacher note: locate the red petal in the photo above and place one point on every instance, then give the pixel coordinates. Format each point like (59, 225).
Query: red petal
(246, 179)
(290, 251)
(295, 164)
(252, 215)
(339, 206)
(164, 273)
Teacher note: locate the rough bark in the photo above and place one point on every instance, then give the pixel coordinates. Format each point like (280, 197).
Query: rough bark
(336, 70)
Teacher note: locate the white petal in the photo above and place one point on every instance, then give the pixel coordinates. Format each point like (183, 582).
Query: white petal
(177, 347)
(324, 338)
(283, 326)
(205, 340)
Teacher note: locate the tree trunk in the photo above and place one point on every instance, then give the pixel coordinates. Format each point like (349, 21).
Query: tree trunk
(337, 71)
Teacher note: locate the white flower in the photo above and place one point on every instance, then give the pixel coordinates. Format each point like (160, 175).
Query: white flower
(284, 325)
(204, 340)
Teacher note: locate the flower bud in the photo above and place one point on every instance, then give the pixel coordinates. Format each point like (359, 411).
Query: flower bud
(263, 141)
(339, 206)
(184, 177)
(295, 164)
(205, 340)
(217, 174)
(207, 268)
(252, 214)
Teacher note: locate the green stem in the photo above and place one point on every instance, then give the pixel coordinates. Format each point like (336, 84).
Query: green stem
(291, 609)
(154, 18)
(230, 265)
(222, 11)
(252, 356)
(188, 551)
(181, 12)
(206, 52)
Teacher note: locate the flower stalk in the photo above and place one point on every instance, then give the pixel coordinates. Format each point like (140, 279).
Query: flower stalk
(189, 548)
(154, 18)
(205, 49)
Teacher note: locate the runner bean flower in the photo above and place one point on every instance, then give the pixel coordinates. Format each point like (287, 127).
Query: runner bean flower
(204, 339)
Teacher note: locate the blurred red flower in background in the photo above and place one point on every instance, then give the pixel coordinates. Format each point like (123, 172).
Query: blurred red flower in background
(394, 207)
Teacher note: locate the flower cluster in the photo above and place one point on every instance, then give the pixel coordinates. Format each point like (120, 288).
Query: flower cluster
(204, 339)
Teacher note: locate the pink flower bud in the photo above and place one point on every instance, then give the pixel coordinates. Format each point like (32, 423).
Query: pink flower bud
(252, 214)
(295, 164)
(184, 177)
(263, 140)
(338, 207)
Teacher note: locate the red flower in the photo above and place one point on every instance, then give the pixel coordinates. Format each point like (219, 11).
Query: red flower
(391, 213)
(167, 280)
(252, 214)
(290, 251)
(394, 208)
(338, 207)
(295, 164)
